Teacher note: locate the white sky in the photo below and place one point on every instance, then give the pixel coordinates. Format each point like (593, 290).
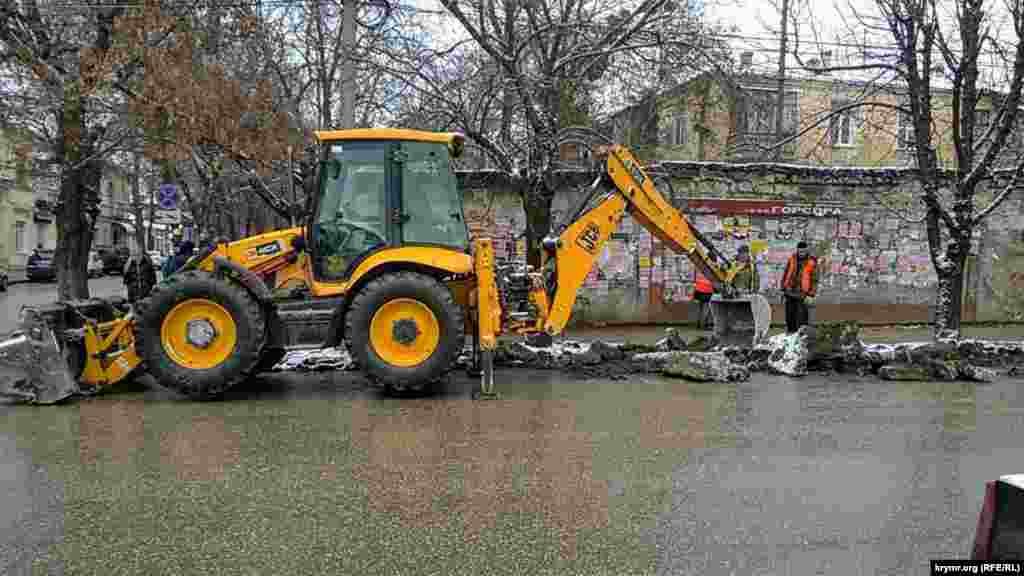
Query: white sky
(831, 22)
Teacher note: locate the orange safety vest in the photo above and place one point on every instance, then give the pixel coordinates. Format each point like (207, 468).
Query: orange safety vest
(805, 275)
(703, 285)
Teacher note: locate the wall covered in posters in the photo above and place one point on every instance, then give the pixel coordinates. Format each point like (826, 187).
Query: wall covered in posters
(866, 254)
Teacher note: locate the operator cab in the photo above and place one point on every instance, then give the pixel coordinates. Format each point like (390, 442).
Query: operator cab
(384, 188)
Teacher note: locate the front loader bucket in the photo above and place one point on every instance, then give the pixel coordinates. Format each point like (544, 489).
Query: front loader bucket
(742, 321)
(33, 367)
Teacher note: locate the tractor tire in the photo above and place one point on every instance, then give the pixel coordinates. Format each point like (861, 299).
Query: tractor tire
(199, 335)
(405, 331)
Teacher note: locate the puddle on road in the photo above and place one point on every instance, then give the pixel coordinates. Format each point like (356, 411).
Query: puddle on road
(558, 475)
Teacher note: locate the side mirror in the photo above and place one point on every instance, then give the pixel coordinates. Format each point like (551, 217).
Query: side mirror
(457, 145)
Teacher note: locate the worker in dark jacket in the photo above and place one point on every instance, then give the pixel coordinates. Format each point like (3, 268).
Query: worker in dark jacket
(173, 264)
(799, 286)
(744, 272)
(139, 276)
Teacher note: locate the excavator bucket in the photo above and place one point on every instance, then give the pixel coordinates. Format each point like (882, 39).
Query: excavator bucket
(33, 366)
(742, 321)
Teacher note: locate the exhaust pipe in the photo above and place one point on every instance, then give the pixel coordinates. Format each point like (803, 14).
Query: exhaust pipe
(33, 368)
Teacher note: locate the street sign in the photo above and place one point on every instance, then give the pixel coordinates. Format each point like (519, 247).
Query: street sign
(168, 196)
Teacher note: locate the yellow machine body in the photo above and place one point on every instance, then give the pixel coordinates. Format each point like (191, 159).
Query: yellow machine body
(277, 270)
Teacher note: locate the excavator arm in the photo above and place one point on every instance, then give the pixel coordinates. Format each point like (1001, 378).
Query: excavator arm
(623, 187)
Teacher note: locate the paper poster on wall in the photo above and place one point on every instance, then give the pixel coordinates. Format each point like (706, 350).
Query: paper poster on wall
(758, 247)
(736, 226)
(645, 262)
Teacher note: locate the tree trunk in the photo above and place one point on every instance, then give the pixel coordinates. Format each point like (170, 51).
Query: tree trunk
(949, 297)
(74, 228)
(947, 302)
(537, 205)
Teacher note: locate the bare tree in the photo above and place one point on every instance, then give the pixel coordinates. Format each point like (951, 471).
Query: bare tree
(58, 57)
(527, 71)
(955, 38)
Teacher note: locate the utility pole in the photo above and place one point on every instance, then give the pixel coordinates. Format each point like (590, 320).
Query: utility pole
(781, 96)
(291, 187)
(348, 70)
(137, 207)
(152, 214)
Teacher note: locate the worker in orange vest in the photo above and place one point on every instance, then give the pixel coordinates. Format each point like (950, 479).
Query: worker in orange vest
(703, 289)
(799, 286)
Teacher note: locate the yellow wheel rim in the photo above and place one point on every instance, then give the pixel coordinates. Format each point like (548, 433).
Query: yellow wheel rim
(199, 334)
(404, 332)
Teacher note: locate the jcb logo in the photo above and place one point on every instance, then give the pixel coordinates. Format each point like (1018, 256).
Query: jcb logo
(588, 239)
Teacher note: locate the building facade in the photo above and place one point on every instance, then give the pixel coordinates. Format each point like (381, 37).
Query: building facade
(828, 121)
(27, 201)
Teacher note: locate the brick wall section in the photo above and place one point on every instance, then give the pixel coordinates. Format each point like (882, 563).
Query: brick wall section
(874, 267)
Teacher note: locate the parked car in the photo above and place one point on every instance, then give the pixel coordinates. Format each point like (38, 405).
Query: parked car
(3, 278)
(95, 264)
(114, 261)
(40, 266)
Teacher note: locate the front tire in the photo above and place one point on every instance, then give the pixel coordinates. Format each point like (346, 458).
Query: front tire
(199, 335)
(405, 331)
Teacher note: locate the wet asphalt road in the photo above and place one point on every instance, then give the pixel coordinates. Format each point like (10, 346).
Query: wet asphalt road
(316, 474)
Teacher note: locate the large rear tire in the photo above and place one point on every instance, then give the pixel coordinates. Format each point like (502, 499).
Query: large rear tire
(405, 331)
(199, 335)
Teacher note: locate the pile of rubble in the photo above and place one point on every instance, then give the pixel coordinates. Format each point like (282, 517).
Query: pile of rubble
(835, 348)
(320, 360)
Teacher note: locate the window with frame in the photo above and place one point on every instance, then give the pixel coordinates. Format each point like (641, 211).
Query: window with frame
(19, 237)
(759, 113)
(905, 139)
(844, 126)
(680, 129)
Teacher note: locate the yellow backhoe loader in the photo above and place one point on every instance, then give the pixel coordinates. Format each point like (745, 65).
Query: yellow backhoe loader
(383, 265)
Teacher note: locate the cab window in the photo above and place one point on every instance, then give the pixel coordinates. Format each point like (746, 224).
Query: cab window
(351, 216)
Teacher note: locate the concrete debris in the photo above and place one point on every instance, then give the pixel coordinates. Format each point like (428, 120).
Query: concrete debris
(903, 372)
(978, 373)
(608, 352)
(789, 352)
(671, 342)
(320, 360)
(651, 362)
(825, 347)
(946, 360)
(704, 367)
(561, 354)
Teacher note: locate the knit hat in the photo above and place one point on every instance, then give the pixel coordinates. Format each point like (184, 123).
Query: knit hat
(801, 244)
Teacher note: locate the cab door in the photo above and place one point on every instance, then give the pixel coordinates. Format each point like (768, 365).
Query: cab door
(351, 219)
(431, 200)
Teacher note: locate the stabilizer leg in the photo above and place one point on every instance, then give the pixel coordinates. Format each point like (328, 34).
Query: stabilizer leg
(486, 391)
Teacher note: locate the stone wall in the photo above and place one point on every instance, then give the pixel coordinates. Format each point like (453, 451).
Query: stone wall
(875, 267)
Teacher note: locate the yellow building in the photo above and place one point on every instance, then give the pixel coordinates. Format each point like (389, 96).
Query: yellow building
(717, 119)
(26, 204)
